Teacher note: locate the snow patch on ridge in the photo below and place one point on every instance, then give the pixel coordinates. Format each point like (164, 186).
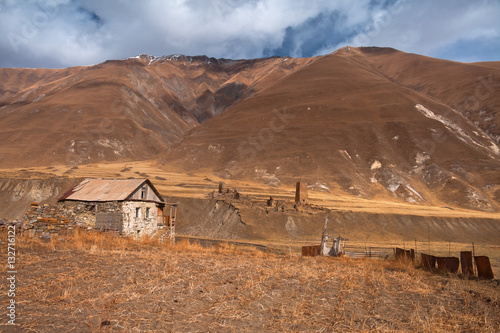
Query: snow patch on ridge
(414, 191)
(319, 186)
(345, 154)
(269, 179)
(420, 158)
(376, 165)
(459, 132)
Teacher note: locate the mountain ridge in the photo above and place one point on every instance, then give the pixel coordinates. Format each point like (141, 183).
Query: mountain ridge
(163, 101)
(371, 122)
(367, 97)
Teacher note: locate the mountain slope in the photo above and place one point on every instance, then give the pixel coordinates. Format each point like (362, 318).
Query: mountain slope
(128, 109)
(471, 89)
(372, 122)
(345, 123)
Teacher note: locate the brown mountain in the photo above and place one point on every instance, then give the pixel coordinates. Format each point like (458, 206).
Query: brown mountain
(373, 122)
(126, 109)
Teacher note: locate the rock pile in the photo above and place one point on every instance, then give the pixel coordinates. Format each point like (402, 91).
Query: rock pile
(4, 225)
(226, 193)
(44, 220)
(63, 217)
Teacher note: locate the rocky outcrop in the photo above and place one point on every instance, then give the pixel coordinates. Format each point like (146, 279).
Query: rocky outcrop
(246, 219)
(17, 194)
(212, 218)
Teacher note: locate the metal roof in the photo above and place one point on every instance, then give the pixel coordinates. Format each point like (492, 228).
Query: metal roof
(105, 190)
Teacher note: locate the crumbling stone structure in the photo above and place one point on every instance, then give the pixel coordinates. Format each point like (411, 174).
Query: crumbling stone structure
(301, 196)
(45, 220)
(226, 193)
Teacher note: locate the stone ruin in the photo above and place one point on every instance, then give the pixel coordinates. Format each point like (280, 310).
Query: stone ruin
(279, 205)
(226, 193)
(63, 217)
(301, 196)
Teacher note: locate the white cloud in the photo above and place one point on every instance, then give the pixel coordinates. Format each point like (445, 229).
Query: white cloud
(59, 33)
(426, 27)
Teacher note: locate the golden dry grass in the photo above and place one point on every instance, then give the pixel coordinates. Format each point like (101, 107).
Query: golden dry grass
(101, 283)
(201, 184)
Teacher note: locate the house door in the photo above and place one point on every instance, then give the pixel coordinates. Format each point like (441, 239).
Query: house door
(109, 221)
(159, 216)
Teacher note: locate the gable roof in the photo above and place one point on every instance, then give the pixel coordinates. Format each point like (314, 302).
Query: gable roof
(106, 190)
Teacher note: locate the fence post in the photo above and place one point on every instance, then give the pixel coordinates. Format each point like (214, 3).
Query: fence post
(484, 267)
(474, 266)
(466, 263)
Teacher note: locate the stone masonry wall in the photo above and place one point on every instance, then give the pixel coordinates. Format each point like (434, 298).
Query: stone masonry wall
(85, 212)
(141, 225)
(63, 217)
(45, 220)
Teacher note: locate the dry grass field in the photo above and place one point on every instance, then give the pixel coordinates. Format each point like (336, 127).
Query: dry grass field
(101, 283)
(198, 185)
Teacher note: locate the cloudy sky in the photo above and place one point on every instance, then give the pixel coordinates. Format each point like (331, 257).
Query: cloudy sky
(62, 33)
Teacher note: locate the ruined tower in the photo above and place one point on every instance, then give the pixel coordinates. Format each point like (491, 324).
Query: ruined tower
(301, 196)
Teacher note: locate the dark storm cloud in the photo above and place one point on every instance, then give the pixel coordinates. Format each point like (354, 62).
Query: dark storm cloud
(61, 33)
(317, 33)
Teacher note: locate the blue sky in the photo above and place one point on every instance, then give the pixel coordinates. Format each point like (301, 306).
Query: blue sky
(63, 33)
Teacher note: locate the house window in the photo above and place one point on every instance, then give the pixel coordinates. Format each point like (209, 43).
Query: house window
(137, 212)
(143, 192)
(147, 212)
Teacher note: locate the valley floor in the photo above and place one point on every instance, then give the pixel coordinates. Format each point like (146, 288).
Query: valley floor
(98, 283)
(178, 184)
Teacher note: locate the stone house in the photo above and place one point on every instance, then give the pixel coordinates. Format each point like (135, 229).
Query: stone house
(129, 206)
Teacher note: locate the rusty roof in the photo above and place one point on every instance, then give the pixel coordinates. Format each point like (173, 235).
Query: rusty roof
(105, 190)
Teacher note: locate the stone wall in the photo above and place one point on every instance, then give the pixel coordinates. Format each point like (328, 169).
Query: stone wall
(64, 217)
(45, 220)
(85, 212)
(142, 225)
